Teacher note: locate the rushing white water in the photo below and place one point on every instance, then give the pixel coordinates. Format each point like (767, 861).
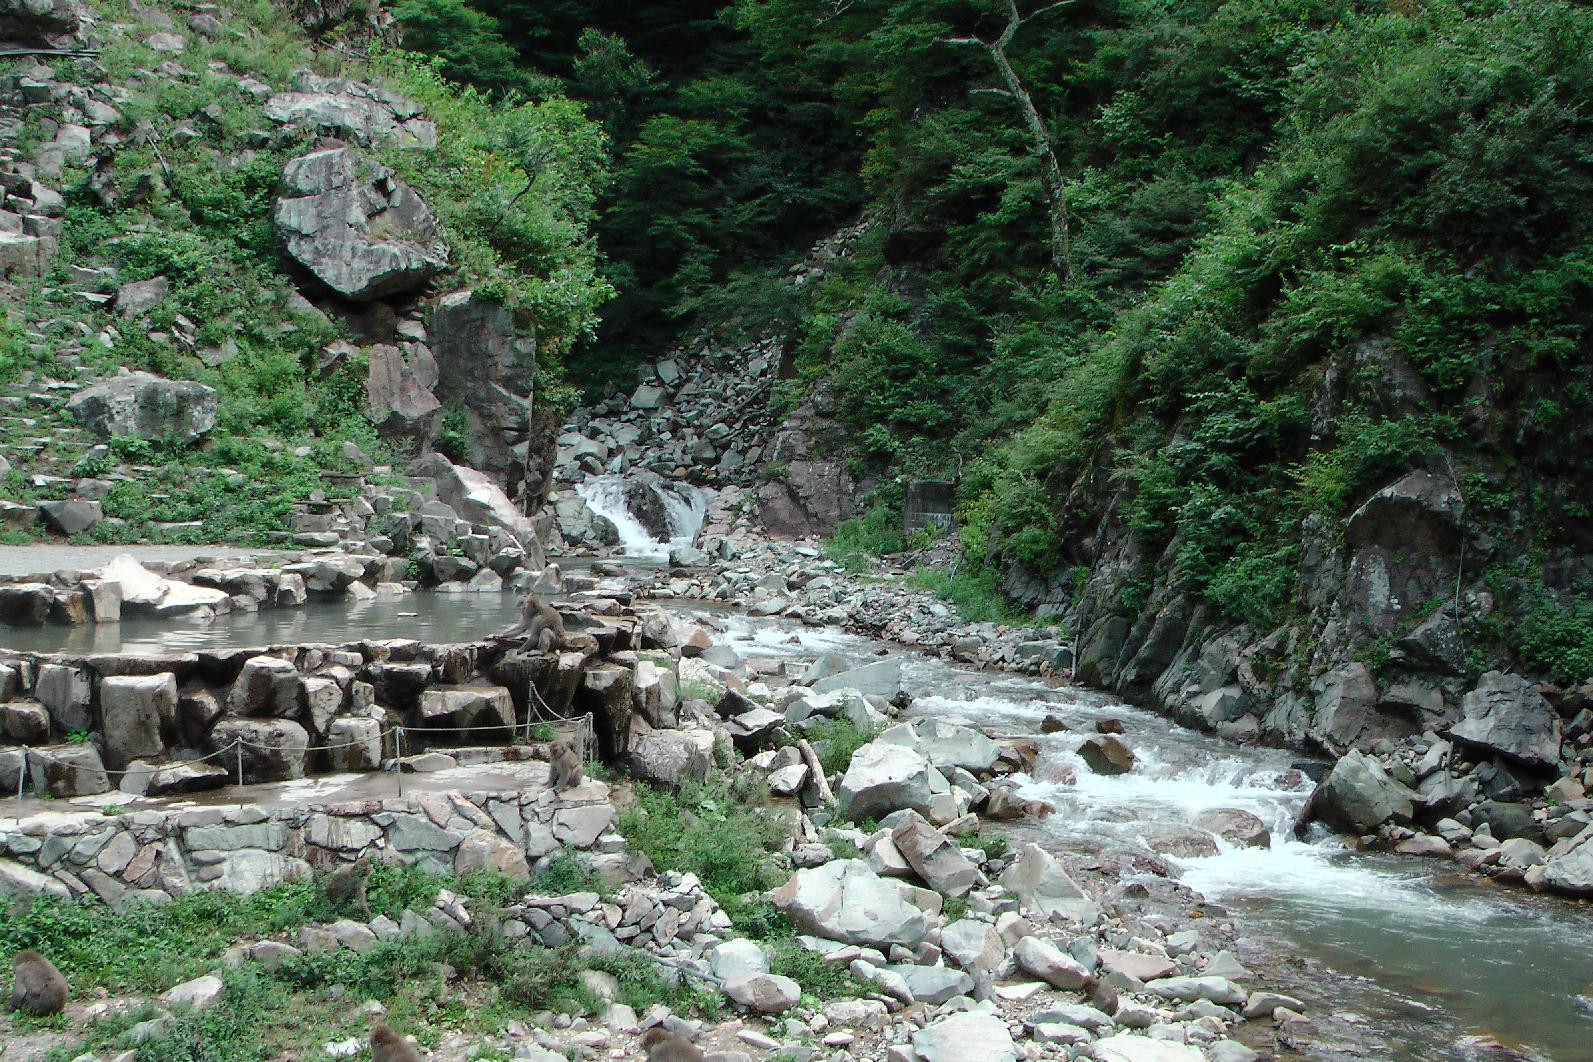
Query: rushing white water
(1415, 957)
(684, 505)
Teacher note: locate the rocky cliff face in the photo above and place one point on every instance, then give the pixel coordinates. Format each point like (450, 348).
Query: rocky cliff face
(338, 259)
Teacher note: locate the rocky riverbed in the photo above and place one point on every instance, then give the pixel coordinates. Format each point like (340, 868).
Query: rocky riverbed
(1156, 912)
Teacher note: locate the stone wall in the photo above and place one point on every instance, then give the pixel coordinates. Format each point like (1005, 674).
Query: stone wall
(180, 722)
(156, 855)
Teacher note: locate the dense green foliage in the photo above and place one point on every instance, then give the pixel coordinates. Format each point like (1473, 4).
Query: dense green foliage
(1270, 204)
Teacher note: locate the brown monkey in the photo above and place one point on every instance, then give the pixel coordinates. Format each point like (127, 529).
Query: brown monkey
(37, 987)
(542, 627)
(388, 1046)
(662, 1045)
(566, 767)
(347, 885)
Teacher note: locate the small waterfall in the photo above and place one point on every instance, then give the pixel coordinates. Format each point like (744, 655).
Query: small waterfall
(616, 497)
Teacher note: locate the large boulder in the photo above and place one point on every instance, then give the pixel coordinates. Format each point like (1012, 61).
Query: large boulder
(398, 393)
(144, 591)
(356, 227)
(966, 1037)
(945, 744)
(144, 406)
(486, 363)
(845, 900)
(133, 709)
(476, 498)
(68, 771)
(883, 778)
(1569, 866)
(1359, 795)
(882, 678)
(37, 20)
(1347, 714)
(1042, 885)
(274, 750)
(606, 691)
(1132, 1047)
(1505, 714)
(364, 113)
(671, 757)
(810, 499)
(934, 857)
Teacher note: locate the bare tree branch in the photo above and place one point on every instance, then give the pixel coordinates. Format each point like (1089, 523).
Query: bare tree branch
(1039, 132)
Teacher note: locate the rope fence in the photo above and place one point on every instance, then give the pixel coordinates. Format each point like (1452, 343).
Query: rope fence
(544, 714)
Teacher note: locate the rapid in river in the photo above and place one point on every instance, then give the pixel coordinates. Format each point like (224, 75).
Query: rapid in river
(1398, 957)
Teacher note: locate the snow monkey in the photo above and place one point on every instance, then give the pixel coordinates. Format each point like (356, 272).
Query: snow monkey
(347, 885)
(37, 987)
(388, 1046)
(662, 1045)
(542, 627)
(567, 770)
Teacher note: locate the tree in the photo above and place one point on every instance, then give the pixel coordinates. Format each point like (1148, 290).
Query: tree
(1039, 132)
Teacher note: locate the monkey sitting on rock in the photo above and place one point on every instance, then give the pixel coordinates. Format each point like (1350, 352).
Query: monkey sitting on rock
(539, 624)
(388, 1046)
(662, 1045)
(37, 987)
(567, 770)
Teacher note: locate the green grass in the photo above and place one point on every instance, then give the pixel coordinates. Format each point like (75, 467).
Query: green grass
(836, 740)
(707, 830)
(976, 595)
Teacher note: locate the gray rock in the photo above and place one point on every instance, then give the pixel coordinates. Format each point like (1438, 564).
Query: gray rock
(737, 956)
(476, 498)
(883, 778)
(670, 757)
(1132, 1047)
(973, 945)
(366, 114)
(882, 678)
(68, 771)
(141, 405)
(1050, 964)
(356, 227)
(1505, 714)
(763, 993)
(1043, 886)
(844, 900)
(933, 984)
(133, 709)
(274, 750)
(1358, 795)
(934, 857)
(398, 393)
(72, 516)
(1569, 865)
(966, 1037)
(945, 744)
(141, 295)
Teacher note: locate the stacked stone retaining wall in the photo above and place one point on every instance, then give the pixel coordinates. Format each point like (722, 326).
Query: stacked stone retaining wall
(159, 854)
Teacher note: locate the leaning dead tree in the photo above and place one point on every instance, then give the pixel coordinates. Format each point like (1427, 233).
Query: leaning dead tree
(1056, 191)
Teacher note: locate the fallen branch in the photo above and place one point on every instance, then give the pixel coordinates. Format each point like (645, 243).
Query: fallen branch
(811, 758)
(73, 53)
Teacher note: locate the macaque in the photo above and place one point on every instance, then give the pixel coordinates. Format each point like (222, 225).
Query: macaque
(388, 1046)
(347, 885)
(542, 627)
(662, 1045)
(37, 986)
(567, 771)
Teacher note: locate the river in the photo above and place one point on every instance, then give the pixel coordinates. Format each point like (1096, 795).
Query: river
(1397, 957)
